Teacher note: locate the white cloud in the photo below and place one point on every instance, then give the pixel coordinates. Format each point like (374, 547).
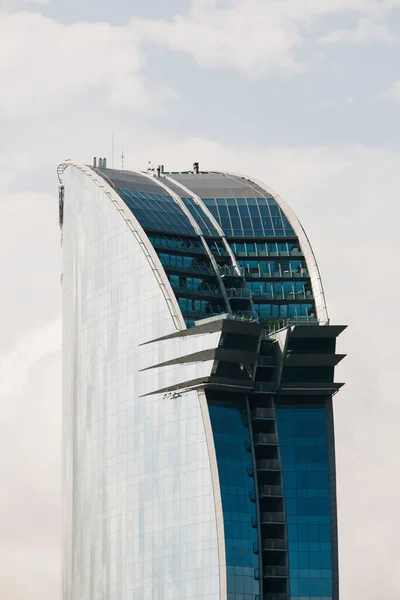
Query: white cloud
(18, 4)
(392, 93)
(367, 31)
(30, 264)
(47, 68)
(30, 462)
(15, 366)
(260, 36)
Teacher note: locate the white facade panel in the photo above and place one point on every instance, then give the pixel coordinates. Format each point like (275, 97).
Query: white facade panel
(140, 520)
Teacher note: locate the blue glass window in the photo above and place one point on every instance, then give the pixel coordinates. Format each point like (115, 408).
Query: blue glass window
(231, 436)
(181, 244)
(250, 217)
(305, 470)
(200, 216)
(156, 212)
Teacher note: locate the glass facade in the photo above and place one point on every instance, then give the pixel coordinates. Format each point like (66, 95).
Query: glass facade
(231, 433)
(156, 212)
(139, 512)
(201, 217)
(189, 472)
(303, 442)
(250, 217)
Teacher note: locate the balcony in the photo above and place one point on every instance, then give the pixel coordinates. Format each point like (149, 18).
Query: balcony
(263, 414)
(206, 291)
(228, 271)
(281, 571)
(266, 491)
(287, 274)
(290, 296)
(274, 544)
(239, 293)
(268, 518)
(168, 245)
(265, 439)
(275, 326)
(264, 253)
(245, 315)
(267, 464)
(197, 269)
(198, 316)
(265, 361)
(264, 387)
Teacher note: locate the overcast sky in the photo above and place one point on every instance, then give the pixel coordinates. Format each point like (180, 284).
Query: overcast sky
(304, 94)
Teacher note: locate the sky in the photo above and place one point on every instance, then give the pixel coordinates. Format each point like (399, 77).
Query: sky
(302, 95)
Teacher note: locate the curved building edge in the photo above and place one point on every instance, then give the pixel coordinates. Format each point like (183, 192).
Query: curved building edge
(316, 280)
(77, 440)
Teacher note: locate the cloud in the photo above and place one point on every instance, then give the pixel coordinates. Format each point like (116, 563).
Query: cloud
(18, 4)
(262, 36)
(47, 67)
(367, 31)
(15, 367)
(30, 433)
(392, 93)
(30, 263)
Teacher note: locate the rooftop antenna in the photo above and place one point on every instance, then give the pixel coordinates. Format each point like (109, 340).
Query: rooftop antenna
(122, 159)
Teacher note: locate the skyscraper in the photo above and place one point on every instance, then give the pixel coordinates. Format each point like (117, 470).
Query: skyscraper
(198, 375)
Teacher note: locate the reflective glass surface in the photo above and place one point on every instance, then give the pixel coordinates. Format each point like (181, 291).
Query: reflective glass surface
(184, 263)
(199, 309)
(231, 436)
(201, 218)
(280, 268)
(156, 212)
(248, 217)
(193, 285)
(267, 311)
(139, 517)
(180, 244)
(305, 471)
(266, 249)
(279, 290)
